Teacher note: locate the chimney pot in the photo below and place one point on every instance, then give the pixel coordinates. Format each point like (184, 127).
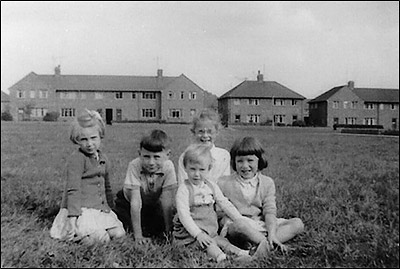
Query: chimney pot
(57, 70)
(260, 77)
(159, 72)
(350, 84)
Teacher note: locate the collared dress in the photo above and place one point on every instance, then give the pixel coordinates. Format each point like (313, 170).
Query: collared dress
(87, 195)
(151, 186)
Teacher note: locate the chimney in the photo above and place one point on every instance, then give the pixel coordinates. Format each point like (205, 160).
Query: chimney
(159, 73)
(260, 77)
(57, 70)
(350, 85)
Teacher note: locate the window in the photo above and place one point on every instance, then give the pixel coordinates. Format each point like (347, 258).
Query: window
(149, 95)
(32, 95)
(369, 121)
(182, 95)
(313, 106)
(254, 102)
(193, 95)
(43, 94)
(335, 120)
(148, 113)
(20, 94)
(133, 95)
(381, 106)
(294, 102)
(350, 120)
(279, 102)
(68, 95)
(38, 112)
(353, 104)
(118, 95)
(170, 95)
(335, 104)
(98, 95)
(393, 106)
(192, 112)
(175, 113)
(345, 104)
(67, 112)
(279, 118)
(118, 115)
(237, 118)
(294, 118)
(253, 118)
(369, 106)
(236, 102)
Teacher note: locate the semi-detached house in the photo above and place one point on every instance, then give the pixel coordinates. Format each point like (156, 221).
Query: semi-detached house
(117, 98)
(261, 102)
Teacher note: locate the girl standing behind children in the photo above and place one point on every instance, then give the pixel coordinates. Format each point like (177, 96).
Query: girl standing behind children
(85, 214)
(205, 131)
(253, 194)
(196, 218)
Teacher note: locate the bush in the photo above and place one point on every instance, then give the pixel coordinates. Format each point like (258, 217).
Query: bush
(299, 123)
(6, 116)
(51, 116)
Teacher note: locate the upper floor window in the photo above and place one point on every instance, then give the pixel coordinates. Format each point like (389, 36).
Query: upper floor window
(20, 94)
(254, 102)
(182, 95)
(353, 104)
(381, 106)
(313, 105)
(193, 95)
(394, 106)
(98, 95)
(32, 94)
(118, 95)
(335, 104)
(149, 95)
(345, 104)
(279, 102)
(43, 94)
(68, 95)
(170, 95)
(294, 102)
(133, 95)
(369, 106)
(236, 102)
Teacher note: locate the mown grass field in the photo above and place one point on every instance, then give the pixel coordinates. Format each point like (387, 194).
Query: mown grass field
(345, 188)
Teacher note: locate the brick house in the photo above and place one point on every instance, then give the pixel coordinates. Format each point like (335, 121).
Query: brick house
(117, 98)
(349, 105)
(5, 102)
(260, 102)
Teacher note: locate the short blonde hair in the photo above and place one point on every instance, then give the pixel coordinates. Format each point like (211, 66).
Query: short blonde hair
(197, 152)
(207, 114)
(89, 118)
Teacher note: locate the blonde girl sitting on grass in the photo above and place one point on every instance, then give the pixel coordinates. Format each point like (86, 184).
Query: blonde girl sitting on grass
(85, 213)
(196, 220)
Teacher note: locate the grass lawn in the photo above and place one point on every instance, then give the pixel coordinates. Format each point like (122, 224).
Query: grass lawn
(345, 188)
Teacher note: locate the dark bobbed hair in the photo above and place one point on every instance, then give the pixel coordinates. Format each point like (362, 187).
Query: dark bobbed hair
(248, 146)
(156, 141)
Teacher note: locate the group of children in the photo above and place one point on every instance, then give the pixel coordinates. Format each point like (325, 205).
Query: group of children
(203, 205)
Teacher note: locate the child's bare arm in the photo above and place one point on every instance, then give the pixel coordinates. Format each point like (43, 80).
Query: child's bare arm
(136, 207)
(167, 204)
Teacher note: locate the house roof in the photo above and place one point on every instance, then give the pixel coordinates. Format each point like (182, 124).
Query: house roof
(375, 95)
(5, 97)
(261, 89)
(100, 82)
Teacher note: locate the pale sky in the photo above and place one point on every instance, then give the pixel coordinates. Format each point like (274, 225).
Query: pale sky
(309, 47)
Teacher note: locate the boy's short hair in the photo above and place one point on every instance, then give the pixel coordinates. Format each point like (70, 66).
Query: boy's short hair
(87, 119)
(156, 141)
(195, 152)
(207, 114)
(248, 146)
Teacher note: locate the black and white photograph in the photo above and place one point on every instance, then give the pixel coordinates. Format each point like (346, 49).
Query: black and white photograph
(200, 134)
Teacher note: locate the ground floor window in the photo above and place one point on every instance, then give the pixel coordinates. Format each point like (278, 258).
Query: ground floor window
(350, 120)
(175, 113)
(38, 112)
(237, 118)
(279, 118)
(148, 113)
(118, 115)
(67, 112)
(253, 118)
(369, 121)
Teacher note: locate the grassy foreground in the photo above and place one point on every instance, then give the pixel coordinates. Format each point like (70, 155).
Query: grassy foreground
(345, 188)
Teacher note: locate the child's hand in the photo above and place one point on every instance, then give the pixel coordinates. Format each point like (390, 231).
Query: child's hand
(204, 239)
(142, 240)
(272, 239)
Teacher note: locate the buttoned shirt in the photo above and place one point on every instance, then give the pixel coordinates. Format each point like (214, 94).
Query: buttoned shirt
(150, 185)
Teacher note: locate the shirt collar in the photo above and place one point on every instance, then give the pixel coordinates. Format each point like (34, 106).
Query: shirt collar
(253, 181)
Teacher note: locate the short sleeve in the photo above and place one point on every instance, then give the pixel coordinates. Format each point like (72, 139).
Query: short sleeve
(132, 178)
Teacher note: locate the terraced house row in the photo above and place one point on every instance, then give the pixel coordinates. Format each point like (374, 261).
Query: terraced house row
(177, 99)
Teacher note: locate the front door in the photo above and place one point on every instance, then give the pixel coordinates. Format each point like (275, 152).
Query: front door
(109, 115)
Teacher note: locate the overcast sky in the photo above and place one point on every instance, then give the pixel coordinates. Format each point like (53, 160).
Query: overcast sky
(309, 47)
